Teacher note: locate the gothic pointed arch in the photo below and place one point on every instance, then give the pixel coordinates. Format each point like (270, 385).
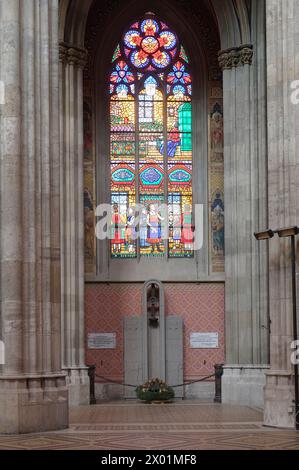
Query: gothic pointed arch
(205, 28)
(102, 40)
(234, 21)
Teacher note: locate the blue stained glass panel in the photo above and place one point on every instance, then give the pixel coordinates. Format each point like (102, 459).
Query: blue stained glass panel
(151, 176)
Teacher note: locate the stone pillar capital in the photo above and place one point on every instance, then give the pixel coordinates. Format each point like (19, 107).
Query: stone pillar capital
(235, 57)
(72, 55)
(63, 53)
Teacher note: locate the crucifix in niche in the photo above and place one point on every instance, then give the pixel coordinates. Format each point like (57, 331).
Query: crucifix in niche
(153, 305)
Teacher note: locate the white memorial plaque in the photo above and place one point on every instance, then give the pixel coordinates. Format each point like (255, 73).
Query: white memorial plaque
(101, 340)
(204, 340)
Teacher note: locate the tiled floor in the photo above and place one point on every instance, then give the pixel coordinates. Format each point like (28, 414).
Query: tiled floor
(179, 426)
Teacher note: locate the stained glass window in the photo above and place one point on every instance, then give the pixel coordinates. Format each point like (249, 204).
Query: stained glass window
(151, 143)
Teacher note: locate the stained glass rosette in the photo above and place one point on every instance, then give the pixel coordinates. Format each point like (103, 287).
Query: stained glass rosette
(179, 82)
(122, 80)
(150, 45)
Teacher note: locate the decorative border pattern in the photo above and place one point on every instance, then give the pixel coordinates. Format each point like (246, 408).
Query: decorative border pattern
(216, 179)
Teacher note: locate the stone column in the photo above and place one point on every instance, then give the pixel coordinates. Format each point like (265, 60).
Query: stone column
(283, 174)
(72, 61)
(33, 393)
(246, 301)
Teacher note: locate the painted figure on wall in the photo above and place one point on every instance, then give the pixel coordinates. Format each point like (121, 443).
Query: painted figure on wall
(218, 224)
(88, 224)
(217, 137)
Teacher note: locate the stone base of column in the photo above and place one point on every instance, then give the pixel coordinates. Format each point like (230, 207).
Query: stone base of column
(279, 395)
(30, 403)
(78, 384)
(244, 385)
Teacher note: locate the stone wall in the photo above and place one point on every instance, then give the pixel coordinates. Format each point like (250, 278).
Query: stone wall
(202, 309)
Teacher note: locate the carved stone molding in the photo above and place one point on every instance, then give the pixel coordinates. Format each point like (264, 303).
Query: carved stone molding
(235, 57)
(72, 55)
(63, 53)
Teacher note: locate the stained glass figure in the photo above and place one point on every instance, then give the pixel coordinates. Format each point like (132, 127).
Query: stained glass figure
(151, 142)
(180, 225)
(151, 107)
(123, 234)
(151, 241)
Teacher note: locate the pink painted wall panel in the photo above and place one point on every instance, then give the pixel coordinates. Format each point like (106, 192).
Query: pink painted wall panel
(200, 305)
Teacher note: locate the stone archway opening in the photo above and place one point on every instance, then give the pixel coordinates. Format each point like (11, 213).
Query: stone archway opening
(87, 29)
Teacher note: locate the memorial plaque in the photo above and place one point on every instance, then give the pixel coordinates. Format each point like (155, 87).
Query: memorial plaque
(204, 340)
(101, 340)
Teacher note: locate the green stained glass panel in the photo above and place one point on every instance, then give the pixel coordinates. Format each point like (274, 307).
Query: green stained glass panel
(185, 117)
(183, 55)
(116, 54)
(179, 116)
